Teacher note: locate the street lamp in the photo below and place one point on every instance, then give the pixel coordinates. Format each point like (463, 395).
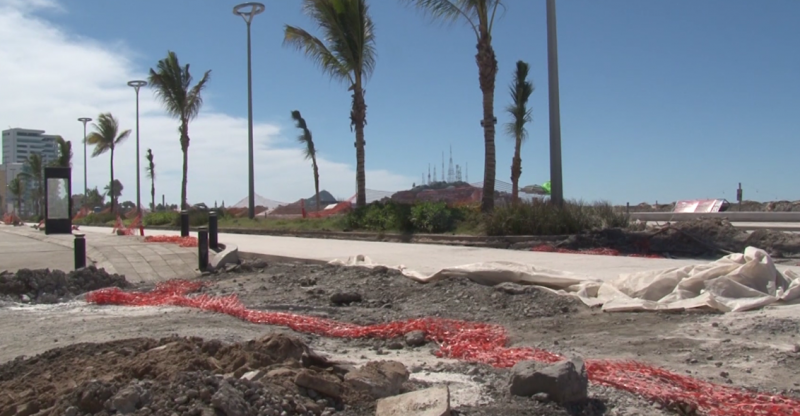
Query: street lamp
(248, 11)
(556, 182)
(136, 85)
(84, 120)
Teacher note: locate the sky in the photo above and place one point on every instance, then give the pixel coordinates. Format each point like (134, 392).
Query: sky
(659, 100)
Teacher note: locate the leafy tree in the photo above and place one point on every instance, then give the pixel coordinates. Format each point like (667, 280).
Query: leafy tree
(114, 189)
(33, 174)
(17, 189)
(309, 150)
(520, 91)
(173, 86)
(64, 153)
(94, 198)
(480, 15)
(347, 55)
(105, 138)
(150, 169)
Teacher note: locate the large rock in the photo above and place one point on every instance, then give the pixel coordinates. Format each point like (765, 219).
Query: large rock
(378, 378)
(326, 384)
(130, 398)
(429, 402)
(563, 382)
(229, 401)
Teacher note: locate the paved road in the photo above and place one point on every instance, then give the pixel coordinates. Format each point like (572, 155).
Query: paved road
(19, 252)
(127, 255)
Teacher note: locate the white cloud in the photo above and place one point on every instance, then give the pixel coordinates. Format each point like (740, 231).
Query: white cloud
(50, 77)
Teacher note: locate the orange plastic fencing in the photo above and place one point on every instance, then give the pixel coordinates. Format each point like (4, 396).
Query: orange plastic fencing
(133, 229)
(11, 219)
(479, 342)
(340, 208)
(544, 248)
(173, 239)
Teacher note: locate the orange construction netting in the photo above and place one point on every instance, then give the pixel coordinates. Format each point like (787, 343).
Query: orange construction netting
(11, 219)
(479, 342)
(135, 227)
(174, 239)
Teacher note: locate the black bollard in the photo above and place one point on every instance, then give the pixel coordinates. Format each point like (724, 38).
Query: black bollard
(184, 223)
(627, 207)
(202, 248)
(80, 251)
(213, 243)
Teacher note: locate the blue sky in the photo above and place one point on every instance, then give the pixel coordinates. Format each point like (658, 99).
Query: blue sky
(659, 100)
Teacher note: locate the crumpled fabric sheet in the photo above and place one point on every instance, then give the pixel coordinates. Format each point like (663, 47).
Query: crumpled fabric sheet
(734, 283)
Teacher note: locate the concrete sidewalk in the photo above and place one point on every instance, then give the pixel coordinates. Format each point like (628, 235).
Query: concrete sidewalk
(428, 259)
(126, 255)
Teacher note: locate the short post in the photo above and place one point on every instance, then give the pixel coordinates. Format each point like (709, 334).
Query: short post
(184, 223)
(202, 248)
(80, 251)
(213, 243)
(627, 207)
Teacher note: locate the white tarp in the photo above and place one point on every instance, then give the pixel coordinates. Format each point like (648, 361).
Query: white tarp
(737, 282)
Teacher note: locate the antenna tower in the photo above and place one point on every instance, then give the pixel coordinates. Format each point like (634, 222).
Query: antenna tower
(435, 179)
(467, 178)
(429, 174)
(443, 178)
(450, 172)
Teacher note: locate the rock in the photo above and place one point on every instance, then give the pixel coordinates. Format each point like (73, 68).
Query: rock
(563, 382)
(345, 298)
(258, 264)
(27, 409)
(229, 401)
(415, 338)
(25, 299)
(378, 378)
(71, 411)
(326, 384)
(395, 345)
(512, 288)
(253, 375)
(429, 402)
(128, 399)
(281, 372)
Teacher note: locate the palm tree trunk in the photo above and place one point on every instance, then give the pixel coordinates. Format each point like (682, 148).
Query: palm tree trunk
(316, 182)
(516, 170)
(487, 72)
(358, 117)
(185, 149)
(153, 195)
(111, 186)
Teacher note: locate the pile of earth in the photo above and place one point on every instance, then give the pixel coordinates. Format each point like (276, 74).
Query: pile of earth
(275, 375)
(695, 238)
(746, 206)
(53, 286)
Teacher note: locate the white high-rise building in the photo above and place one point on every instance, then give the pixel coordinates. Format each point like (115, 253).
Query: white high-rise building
(18, 144)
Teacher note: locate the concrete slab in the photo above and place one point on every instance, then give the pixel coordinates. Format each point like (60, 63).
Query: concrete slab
(20, 252)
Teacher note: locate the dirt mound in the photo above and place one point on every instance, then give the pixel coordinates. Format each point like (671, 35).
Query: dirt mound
(696, 238)
(52, 286)
(187, 376)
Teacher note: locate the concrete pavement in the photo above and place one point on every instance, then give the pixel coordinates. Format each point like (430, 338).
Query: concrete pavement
(126, 255)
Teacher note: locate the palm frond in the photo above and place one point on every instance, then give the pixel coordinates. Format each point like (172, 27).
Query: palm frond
(309, 151)
(520, 91)
(317, 52)
(150, 169)
(194, 99)
(105, 135)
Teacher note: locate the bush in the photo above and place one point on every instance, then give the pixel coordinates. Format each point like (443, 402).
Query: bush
(431, 217)
(544, 218)
(95, 218)
(161, 218)
(380, 216)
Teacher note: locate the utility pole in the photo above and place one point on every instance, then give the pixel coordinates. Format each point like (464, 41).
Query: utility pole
(556, 182)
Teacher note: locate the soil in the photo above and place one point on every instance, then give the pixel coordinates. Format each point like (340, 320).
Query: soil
(701, 238)
(52, 286)
(756, 350)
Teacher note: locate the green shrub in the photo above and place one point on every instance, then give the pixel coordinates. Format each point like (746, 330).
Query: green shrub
(544, 218)
(431, 217)
(380, 216)
(97, 219)
(160, 218)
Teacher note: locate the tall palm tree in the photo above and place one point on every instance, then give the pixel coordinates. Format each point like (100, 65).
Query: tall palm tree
(520, 91)
(310, 150)
(347, 55)
(17, 188)
(64, 159)
(480, 15)
(150, 170)
(33, 174)
(173, 86)
(105, 138)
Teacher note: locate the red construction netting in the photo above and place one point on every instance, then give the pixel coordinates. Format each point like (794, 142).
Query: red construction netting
(174, 239)
(479, 342)
(136, 226)
(11, 219)
(544, 248)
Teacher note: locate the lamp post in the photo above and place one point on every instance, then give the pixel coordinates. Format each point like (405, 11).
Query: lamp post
(556, 182)
(248, 11)
(85, 120)
(136, 85)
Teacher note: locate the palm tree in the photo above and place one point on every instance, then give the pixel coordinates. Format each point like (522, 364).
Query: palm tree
(173, 86)
(115, 190)
(520, 90)
(150, 169)
(17, 188)
(105, 138)
(347, 55)
(33, 173)
(64, 159)
(480, 15)
(310, 151)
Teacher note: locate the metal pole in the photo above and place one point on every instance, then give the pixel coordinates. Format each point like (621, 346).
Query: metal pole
(556, 183)
(136, 85)
(184, 223)
(213, 230)
(85, 120)
(202, 249)
(80, 251)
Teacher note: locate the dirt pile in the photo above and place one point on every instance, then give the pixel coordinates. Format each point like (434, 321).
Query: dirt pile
(52, 286)
(696, 238)
(275, 375)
